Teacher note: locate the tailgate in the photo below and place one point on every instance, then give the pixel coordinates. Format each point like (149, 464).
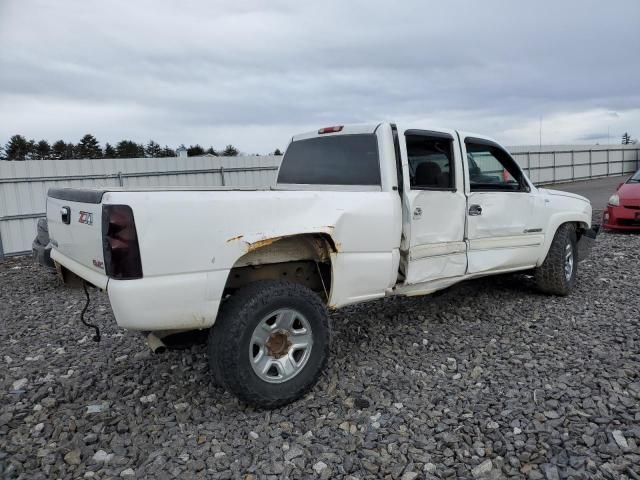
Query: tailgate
(74, 217)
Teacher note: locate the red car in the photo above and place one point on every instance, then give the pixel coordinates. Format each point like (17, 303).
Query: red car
(623, 207)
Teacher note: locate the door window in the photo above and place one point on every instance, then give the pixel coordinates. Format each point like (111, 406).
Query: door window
(491, 168)
(430, 162)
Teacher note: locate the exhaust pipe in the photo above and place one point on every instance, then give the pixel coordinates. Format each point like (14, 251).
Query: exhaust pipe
(155, 343)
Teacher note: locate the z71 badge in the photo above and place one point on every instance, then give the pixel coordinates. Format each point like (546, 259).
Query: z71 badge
(86, 218)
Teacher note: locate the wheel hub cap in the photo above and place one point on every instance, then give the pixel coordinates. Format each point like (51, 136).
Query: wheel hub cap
(280, 345)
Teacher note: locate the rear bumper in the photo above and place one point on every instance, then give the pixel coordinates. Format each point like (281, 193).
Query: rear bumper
(621, 218)
(187, 301)
(586, 242)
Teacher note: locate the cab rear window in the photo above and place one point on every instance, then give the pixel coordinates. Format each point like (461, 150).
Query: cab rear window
(332, 160)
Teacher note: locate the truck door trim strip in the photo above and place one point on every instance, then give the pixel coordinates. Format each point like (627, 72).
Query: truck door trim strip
(437, 250)
(505, 242)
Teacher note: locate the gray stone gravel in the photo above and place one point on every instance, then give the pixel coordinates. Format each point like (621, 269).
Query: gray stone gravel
(487, 380)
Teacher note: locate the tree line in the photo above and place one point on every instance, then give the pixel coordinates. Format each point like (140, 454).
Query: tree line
(627, 140)
(19, 148)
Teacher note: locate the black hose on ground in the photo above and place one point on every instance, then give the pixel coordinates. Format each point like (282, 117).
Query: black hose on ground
(96, 337)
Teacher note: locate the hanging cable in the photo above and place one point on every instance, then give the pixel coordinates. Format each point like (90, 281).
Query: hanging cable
(96, 337)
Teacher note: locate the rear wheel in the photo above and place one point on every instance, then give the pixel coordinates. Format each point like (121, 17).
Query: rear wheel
(270, 343)
(558, 274)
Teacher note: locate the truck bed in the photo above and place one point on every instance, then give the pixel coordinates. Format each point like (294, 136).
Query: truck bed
(94, 195)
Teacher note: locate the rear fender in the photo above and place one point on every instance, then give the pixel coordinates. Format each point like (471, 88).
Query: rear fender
(290, 255)
(258, 240)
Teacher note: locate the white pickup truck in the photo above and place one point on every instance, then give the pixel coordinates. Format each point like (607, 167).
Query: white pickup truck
(358, 213)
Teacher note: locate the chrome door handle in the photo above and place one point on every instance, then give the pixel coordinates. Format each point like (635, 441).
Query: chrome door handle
(475, 210)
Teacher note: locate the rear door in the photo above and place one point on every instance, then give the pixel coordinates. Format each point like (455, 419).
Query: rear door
(74, 217)
(503, 230)
(433, 242)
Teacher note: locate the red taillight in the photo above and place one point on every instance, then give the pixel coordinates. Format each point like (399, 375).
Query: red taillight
(120, 243)
(331, 129)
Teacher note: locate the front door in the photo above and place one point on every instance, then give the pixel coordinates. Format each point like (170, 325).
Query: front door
(435, 207)
(502, 228)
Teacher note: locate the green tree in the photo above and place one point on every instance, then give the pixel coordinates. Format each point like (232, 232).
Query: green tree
(167, 152)
(230, 151)
(211, 151)
(58, 150)
(129, 149)
(195, 150)
(31, 149)
(70, 151)
(88, 147)
(42, 150)
(109, 151)
(18, 148)
(626, 138)
(277, 152)
(152, 149)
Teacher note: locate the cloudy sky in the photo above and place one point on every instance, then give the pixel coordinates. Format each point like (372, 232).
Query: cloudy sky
(253, 73)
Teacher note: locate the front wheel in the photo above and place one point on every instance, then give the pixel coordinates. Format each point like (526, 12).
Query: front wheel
(270, 343)
(558, 274)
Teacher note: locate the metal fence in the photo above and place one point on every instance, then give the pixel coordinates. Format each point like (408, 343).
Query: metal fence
(570, 163)
(24, 185)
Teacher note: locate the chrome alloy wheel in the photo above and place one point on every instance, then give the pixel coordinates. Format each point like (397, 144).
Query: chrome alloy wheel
(280, 345)
(568, 261)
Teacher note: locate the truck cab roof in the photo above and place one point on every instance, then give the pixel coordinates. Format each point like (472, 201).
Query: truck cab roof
(369, 128)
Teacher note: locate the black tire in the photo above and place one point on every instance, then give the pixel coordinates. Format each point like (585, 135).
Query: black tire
(551, 276)
(231, 336)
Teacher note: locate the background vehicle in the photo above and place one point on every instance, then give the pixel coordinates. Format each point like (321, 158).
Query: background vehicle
(623, 207)
(358, 213)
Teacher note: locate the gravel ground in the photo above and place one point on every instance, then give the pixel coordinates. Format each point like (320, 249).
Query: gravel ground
(489, 379)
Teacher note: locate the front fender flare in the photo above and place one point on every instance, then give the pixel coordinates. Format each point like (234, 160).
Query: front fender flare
(581, 219)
